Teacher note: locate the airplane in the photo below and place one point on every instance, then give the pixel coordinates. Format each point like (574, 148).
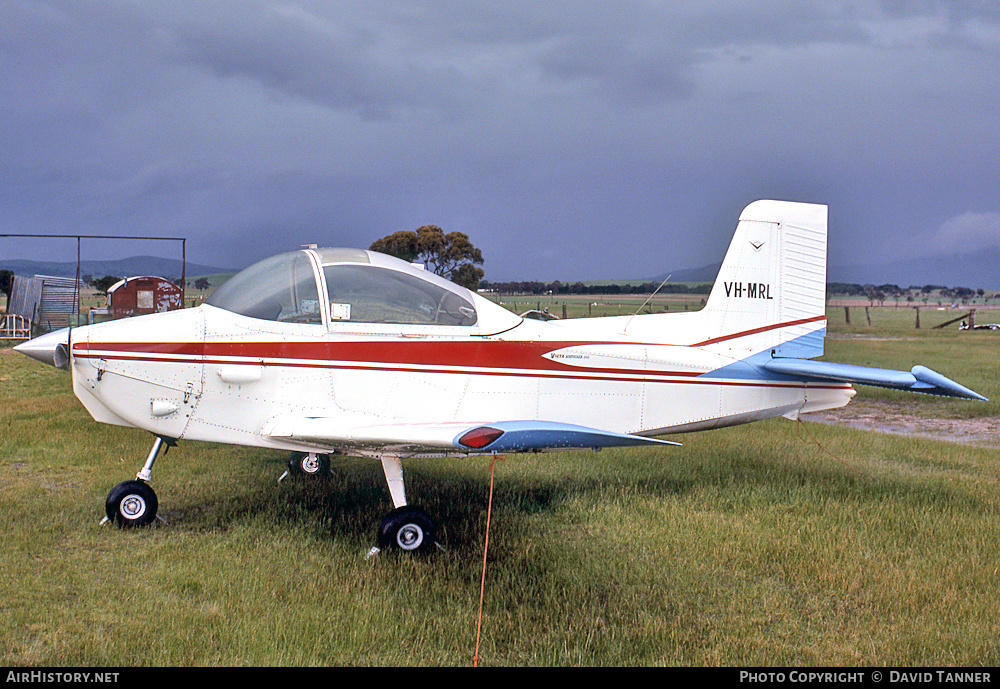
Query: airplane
(344, 351)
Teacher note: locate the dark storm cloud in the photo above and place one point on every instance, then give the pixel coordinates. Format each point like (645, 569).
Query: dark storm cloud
(569, 140)
(295, 54)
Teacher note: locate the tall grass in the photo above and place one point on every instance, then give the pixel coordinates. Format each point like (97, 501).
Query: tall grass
(778, 543)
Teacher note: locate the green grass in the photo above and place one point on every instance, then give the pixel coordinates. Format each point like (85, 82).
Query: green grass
(749, 546)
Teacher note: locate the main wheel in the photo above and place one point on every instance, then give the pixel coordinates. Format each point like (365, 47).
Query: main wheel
(408, 529)
(309, 464)
(131, 503)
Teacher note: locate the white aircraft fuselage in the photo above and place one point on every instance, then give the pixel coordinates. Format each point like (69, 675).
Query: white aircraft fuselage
(208, 374)
(340, 350)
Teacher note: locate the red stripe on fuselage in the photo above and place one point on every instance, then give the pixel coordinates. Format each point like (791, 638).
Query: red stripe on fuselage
(470, 352)
(507, 358)
(755, 331)
(490, 354)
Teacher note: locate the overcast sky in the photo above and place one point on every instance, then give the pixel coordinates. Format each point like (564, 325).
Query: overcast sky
(569, 140)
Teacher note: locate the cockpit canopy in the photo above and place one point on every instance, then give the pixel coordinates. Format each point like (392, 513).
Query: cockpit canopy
(359, 287)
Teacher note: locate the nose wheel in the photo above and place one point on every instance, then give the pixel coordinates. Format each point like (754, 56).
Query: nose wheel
(131, 504)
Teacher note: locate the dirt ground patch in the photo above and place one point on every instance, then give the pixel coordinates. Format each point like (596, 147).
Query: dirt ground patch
(886, 417)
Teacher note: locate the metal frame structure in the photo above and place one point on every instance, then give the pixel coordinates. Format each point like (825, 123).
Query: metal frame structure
(79, 237)
(14, 326)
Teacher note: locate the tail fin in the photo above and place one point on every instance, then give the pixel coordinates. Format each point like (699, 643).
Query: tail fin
(770, 299)
(771, 289)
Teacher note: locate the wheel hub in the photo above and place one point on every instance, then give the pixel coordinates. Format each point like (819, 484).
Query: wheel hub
(133, 507)
(410, 537)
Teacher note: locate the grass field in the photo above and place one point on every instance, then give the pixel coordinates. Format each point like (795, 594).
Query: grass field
(777, 543)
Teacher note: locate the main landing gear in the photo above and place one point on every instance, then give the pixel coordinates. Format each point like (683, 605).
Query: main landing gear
(406, 528)
(133, 503)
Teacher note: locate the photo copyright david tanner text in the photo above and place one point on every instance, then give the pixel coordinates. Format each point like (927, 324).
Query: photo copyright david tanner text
(877, 676)
(46, 676)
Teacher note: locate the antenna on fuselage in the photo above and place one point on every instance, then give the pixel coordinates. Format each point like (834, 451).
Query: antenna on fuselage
(644, 303)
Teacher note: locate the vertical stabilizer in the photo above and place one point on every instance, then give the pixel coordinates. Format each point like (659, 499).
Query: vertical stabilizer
(771, 289)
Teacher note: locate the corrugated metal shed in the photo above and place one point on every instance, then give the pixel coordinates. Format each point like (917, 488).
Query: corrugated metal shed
(46, 300)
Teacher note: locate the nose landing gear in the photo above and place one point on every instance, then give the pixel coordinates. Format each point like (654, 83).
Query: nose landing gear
(133, 503)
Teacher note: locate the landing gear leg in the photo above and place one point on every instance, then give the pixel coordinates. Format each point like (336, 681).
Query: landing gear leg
(134, 503)
(406, 528)
(146, 473)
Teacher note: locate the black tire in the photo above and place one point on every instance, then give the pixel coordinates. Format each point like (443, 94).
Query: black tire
(407, 529)
(131, 503)
(304, 464)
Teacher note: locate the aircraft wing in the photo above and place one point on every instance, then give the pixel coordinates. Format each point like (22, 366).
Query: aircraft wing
(450, 437)
(918, 379)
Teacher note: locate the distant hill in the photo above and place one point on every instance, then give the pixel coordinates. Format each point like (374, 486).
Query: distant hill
(703, 274)
(980, 270)
(126, 267)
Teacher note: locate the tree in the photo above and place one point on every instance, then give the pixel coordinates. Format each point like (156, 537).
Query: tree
(105, 283)
(449, 255)
(402, 245)
(7, 284)
(201, 283)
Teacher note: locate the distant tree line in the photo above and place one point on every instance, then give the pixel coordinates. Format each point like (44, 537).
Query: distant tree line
(881, 293)
(875, 293)
(855, 289)
(557, 287)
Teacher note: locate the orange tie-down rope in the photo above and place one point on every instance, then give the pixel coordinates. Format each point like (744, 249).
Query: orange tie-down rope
(486, 545)
(802, 427)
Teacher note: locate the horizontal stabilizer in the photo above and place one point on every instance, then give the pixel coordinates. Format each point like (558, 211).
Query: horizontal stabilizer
(918, 379)
(449, 437)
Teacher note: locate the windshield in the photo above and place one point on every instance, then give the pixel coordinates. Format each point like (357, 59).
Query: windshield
(280, 288)
(368, 294)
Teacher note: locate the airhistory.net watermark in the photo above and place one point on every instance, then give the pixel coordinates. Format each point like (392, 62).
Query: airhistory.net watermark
(49, 677)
